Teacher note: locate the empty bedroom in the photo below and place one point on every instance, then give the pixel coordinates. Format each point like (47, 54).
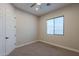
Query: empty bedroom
(39, 29)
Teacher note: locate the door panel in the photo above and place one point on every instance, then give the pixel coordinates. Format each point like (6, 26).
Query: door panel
(7, 31)
(10, 31)
(2, 31)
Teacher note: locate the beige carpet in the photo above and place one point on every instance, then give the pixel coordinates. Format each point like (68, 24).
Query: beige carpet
(41, 49)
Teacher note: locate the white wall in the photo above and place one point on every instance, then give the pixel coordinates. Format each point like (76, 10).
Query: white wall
(71, 27)
(26, 27)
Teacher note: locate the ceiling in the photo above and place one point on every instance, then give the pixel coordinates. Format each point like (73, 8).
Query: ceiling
(42, 10)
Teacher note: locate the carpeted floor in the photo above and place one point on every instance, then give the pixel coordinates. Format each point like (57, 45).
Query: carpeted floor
(41, 49)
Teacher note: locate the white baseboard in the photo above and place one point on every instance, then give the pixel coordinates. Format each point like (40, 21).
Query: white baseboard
(26, 43)
(68, 48)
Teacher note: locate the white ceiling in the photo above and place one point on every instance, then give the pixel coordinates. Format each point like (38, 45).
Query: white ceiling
(43, 10)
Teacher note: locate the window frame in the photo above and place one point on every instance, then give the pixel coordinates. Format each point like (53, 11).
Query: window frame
(54, 26)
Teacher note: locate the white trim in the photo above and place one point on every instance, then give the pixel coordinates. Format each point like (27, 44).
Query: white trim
(26, 43)
(68, 48)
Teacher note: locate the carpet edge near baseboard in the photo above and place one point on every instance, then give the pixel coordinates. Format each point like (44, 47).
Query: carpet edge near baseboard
(30, 42)
(67, 48)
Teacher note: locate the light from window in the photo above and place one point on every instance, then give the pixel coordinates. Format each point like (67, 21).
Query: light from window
(55, 26)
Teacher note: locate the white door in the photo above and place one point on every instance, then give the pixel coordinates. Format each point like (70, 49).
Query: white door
(2, 32)
(10, 31)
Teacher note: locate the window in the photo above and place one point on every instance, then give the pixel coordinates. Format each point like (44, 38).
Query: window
(55, 26)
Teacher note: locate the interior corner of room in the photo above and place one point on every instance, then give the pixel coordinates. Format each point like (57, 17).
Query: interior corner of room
(21, 25)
